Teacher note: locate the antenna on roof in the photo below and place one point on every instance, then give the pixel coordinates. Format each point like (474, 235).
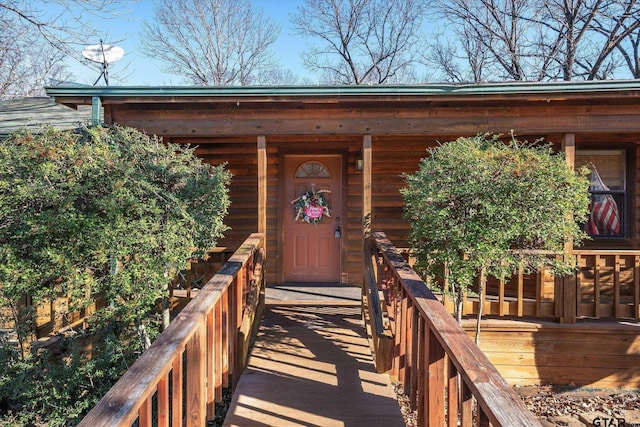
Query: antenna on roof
(103, 54)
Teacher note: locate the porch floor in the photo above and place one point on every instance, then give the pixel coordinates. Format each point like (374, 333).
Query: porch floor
(311, 364)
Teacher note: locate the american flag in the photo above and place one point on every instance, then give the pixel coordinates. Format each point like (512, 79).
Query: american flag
(604, 218)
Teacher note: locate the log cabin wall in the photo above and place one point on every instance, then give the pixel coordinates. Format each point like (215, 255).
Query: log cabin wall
(226, 124)
(239, 155)
(392, 157)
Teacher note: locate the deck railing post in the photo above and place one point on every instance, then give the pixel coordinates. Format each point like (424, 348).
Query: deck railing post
(196, 372)
(453, 390)
(616, 286)
(466, 405)
(569, 298)
(401, 332)
(144, 414)
(218, 351)
(411, 353)
(423, 395)
(226, 318)
(163, 402)
(596, 286)
(559, 297)
(412, 381)
(177, 381)
(436, 381)
(233, 326)
(211, 360)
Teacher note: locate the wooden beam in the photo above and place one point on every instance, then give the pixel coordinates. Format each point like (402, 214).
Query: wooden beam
(569, 283)
(366, 186)
(262, 184)
(391, 120)
(569, 148)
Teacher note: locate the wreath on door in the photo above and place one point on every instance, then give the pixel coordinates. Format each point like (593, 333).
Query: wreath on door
(311, 207)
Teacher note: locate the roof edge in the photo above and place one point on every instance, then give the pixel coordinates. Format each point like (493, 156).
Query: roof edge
(352, 90)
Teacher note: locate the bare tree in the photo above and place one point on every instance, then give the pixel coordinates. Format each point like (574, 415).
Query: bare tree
(26, 66)
(625, 36)
(36, 37)
(280, 76)
(361, 41)
(496, 29)
(464, 62)
(544, 40)
(584, 34)
(214, 42)
(630, 52)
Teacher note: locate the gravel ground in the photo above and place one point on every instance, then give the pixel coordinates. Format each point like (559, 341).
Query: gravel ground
(546, 402)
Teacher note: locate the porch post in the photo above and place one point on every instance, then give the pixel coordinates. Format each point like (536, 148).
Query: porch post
(569, 148)
(568, 293)
(262, 185)
(96, 106)
(366, 187)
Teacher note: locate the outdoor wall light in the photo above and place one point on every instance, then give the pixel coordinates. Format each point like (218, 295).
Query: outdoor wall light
(359, 162)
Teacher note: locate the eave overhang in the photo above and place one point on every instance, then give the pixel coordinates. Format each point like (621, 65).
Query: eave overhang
(532, 91)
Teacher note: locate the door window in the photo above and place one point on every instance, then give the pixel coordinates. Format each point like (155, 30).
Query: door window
(313, 169)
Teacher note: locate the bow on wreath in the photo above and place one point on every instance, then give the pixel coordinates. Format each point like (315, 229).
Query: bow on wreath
(311, 206)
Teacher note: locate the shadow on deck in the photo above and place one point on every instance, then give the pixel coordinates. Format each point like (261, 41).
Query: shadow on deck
(311, 364)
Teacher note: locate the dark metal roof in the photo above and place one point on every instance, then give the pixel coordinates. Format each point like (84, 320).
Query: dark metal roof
(353, 90)
(33, 113)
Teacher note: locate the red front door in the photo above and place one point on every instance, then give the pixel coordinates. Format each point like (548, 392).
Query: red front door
(312, 251)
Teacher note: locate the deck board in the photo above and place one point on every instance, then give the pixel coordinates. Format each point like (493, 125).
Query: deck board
(311, 365)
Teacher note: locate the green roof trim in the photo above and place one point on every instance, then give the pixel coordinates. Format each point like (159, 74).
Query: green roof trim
(353, 90)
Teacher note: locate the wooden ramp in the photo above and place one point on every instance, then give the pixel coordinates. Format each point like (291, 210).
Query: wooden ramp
(311, 366)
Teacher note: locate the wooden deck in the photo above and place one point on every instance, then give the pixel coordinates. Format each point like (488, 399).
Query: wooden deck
(311, 365)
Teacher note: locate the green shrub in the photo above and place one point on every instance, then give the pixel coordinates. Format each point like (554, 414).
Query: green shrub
(103, 211)
(482, 206)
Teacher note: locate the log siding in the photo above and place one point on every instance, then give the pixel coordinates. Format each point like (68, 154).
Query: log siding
(401, 122)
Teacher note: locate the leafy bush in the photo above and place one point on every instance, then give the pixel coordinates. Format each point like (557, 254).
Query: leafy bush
(482, 206)
(57, 390)
(103, 211)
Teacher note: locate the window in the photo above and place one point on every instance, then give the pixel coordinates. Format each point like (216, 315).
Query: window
(608, 191)
(313, 170)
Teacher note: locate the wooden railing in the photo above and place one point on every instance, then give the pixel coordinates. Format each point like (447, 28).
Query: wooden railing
(606, 285)
(178, 380)
(198, 271)
(448, 379)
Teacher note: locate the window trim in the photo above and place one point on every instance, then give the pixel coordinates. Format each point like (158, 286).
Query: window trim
(627, 213)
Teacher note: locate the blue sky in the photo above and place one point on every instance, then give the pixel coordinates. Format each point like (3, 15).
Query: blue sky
(136, 69)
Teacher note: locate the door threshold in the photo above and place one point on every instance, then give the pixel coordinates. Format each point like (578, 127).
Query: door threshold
(309, 293)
